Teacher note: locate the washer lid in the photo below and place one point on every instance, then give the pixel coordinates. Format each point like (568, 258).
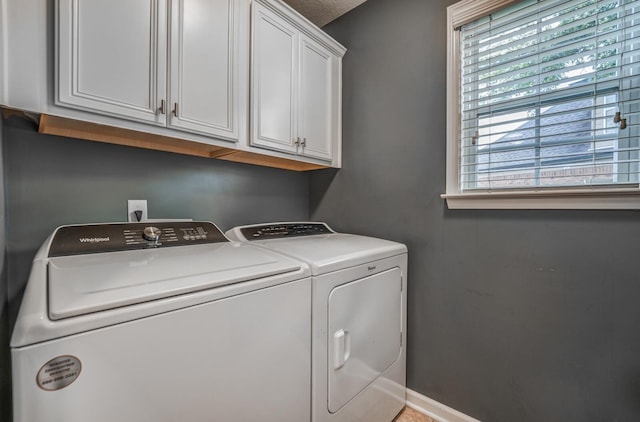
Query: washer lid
(83, 284)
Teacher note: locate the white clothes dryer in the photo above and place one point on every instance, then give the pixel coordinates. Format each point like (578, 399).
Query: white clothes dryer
(359, 289)
(171, 322)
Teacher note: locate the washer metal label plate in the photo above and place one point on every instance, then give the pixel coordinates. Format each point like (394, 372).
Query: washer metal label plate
(59, 373)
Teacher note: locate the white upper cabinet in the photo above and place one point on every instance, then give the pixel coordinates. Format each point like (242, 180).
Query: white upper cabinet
(250, 81)
(208, 61)
(3, 54)
(273, 81)
(296, 84)
(113, 59)
(316, 100)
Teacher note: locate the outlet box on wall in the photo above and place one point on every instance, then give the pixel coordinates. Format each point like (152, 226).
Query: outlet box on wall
(137, 210)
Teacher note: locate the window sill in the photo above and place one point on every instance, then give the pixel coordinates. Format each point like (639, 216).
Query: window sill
(592, 199)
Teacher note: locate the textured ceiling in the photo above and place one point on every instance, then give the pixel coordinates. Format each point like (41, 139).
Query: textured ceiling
(321, 12)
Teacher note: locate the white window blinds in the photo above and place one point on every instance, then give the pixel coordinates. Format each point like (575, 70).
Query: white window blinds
(550, 94)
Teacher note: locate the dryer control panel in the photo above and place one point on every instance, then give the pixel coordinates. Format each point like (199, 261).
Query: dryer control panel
(280, 230)
(98, 238)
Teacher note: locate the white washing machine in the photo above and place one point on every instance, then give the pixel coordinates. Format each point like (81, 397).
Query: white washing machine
(358, 317)
(126, 322)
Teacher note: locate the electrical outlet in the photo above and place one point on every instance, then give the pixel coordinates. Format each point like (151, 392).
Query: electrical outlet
(139, 205)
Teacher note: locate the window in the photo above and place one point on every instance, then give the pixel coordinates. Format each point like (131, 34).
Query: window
(544, 104)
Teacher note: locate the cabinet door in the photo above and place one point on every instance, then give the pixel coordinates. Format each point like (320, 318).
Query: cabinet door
(209, 62)
(274, 68)
(111, 57)
(2, 58)
(316, 99)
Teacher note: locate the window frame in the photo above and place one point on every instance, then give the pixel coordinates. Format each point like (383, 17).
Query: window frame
(595, 197)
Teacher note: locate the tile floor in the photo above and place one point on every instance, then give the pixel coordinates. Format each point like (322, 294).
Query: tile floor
(410, 415)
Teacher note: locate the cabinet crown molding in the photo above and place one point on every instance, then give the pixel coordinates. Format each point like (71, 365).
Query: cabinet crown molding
(304, 25)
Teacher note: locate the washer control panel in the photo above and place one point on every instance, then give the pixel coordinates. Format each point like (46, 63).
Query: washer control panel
(280, 230)
(98, 238)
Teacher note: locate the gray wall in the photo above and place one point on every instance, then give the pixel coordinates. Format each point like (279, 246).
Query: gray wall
(513, 315)
(52, 181)
(5, 367)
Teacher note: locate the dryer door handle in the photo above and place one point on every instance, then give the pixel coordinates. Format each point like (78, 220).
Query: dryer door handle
(341, 348)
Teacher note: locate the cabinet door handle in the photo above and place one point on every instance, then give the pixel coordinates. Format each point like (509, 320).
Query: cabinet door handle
(296, 141)
(304, 142)
(162, 108)
(175, 109)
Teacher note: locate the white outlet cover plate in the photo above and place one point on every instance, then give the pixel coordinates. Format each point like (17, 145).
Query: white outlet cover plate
(136, 205)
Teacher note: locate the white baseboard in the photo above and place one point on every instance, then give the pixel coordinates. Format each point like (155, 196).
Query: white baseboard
(434, 409)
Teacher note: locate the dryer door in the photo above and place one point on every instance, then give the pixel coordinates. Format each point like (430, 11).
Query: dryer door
(365, 323)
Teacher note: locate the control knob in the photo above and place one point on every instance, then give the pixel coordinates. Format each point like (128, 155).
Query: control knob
(151, 234)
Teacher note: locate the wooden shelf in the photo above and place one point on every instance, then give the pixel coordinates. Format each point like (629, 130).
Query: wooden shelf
(61, 126)
(71, 128)
(269, 161)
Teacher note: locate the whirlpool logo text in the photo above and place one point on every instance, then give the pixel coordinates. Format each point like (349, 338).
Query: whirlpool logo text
(94, 239)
